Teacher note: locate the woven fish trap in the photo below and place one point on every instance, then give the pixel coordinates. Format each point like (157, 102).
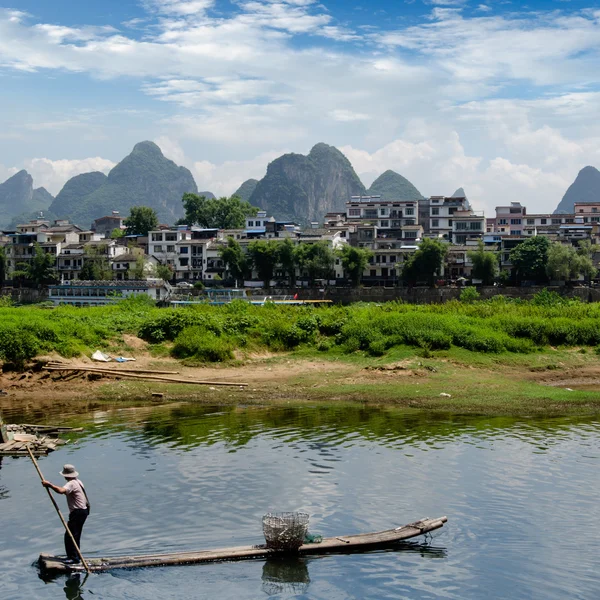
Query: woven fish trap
(285, 530)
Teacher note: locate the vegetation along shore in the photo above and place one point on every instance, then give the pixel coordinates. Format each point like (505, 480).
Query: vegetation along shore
(498, 356)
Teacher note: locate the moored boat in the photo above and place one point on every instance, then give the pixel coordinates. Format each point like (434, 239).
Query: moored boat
(331, 545)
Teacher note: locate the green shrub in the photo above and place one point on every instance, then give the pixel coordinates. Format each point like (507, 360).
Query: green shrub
(17, 346)
(469, 294)
(377, 348)
(206, 346)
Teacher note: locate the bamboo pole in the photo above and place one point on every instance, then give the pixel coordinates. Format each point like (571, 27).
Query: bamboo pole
(133, 375)
(59, 367)
(35, 464)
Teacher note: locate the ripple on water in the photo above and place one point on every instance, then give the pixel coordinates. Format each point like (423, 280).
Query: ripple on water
(520, 495)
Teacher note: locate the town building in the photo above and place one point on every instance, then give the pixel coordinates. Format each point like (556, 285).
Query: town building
(104, 226)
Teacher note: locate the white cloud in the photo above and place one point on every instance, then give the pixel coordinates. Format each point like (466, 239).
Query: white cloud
(52, 174)
(222, 179)
(437, 101)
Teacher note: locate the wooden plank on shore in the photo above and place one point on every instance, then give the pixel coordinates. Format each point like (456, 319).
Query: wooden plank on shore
(342, 544)
(133, 375)
(60, 367)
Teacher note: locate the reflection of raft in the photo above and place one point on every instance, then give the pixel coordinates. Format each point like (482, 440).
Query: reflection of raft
(331, 545)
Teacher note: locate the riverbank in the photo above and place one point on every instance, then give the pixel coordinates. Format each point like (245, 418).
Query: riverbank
(553, 382)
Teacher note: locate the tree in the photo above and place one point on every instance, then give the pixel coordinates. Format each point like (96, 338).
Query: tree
(287, 259)
(138, 271)
(567, 263)
(316, 259)
(216, 213)
(485, 264)
(95, 264)
(529, 259)
(234, 258)
(264, 256)
(586, 264)
(117, 233)
(354, 261)
(40, 269)
(426, 263)
(164, 272)
(562, 262)
(141, 220)
(2, 265)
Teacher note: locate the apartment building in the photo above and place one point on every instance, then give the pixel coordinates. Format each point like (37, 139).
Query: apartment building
(183, 248)
(442, 211)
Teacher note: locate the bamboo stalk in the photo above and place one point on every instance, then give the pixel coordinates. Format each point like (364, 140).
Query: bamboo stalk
(35, 464)
(59, 367)
(134, 375)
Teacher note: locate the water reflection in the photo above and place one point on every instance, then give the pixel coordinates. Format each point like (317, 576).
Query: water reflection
(3, 490)
(287, 575)
(74, 587)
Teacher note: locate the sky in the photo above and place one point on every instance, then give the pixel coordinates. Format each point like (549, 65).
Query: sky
(501, 98)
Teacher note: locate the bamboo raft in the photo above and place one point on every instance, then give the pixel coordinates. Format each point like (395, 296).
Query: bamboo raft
(332, 545)
(42, 439)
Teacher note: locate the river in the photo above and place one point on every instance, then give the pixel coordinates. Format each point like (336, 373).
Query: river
(522, 497)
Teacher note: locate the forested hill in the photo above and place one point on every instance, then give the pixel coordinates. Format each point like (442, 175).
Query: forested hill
(143, 178)
(304, 188)
(392, 186)
(18, 197)
(585, 188)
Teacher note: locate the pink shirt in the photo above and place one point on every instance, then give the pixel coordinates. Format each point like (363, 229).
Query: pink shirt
(75, 496)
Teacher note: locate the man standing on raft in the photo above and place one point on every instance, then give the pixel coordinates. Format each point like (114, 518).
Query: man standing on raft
(79, 509)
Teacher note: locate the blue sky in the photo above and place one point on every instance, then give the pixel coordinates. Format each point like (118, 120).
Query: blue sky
(499, 97)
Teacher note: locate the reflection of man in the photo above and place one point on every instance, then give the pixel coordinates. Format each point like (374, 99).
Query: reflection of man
(79, 509)
(73, 588)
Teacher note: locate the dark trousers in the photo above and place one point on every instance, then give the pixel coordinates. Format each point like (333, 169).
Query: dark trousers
(76, 520)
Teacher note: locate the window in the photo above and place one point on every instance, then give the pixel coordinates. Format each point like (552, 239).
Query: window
(184, 250)
(170, 237)
(250, 223)
(594, 210)
(157, 237)
(502, 222)
(435, 212)
(555, 221)
(184, 262)
(515, 221)
(410, 235)
(384, 223)
(170, 248)
(392, 259)
(435, 222)
(515, 232)
(158, 248)
(461, 225)
(383, 212)
(530, 221)
(515, 211)
(409, 212)
(354, 212)
(543, 221)
(475, 225)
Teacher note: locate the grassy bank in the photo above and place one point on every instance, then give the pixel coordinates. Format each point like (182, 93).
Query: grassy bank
(216, 333)
(490, 357)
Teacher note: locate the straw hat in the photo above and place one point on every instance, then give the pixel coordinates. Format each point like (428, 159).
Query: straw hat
(69, 472)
